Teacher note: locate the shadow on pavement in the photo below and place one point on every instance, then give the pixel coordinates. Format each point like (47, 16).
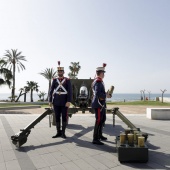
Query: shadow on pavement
(157, 158)
(86, 142)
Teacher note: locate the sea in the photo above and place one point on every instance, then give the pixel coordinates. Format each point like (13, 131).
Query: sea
(116, 96)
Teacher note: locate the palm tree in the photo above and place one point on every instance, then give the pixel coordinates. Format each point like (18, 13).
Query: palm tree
(41, 95)
(32, 86)
(6, 75)
(49, 74)
(26, 89)
(13, 59)
(74, 68)
(23, 91)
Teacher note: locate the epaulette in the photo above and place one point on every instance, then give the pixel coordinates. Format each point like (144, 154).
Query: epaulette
(98, 80)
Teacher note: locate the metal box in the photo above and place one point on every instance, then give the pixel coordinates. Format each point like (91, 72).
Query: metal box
(131, 153)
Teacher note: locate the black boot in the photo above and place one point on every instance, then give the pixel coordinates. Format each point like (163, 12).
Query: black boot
(63, 129)
(96, 135)
(58, 130)
(101, 137)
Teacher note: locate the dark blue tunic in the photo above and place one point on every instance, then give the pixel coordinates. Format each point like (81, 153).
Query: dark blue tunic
(60, 99)
(99, 94)
(99, 100)
(60, 94)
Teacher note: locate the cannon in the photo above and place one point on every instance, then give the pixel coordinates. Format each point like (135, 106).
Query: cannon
(81, 101)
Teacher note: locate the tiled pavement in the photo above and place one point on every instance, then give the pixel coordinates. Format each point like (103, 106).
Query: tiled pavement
(77, 152)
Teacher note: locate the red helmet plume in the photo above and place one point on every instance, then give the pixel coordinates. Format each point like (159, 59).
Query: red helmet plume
(104, 64)
(58, 63)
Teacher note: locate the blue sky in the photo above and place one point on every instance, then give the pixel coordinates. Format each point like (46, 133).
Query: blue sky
(131, 36)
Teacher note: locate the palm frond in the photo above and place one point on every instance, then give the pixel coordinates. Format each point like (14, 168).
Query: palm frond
(12, 57)
(2, 81)
(18, 68)
(8, 83)
(21, 58)
(48, 73)
(18, 54)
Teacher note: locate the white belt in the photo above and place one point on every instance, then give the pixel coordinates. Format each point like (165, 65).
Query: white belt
(58, 92)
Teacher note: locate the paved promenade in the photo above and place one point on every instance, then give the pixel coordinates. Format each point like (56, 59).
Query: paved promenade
(77, 152)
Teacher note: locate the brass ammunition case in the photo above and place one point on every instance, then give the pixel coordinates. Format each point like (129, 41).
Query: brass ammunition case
(137, 136)
(110, 91)
(130, 138)
(141, 141)
(122, 138)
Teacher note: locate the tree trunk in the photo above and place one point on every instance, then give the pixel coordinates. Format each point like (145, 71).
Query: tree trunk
(13, 88)
(162, 97)
(31, 95)
(25, 97)
(12, 94)
(19, 96)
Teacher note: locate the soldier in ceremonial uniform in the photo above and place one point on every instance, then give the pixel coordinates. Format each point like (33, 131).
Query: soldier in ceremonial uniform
(99, 105)
(60, 97)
